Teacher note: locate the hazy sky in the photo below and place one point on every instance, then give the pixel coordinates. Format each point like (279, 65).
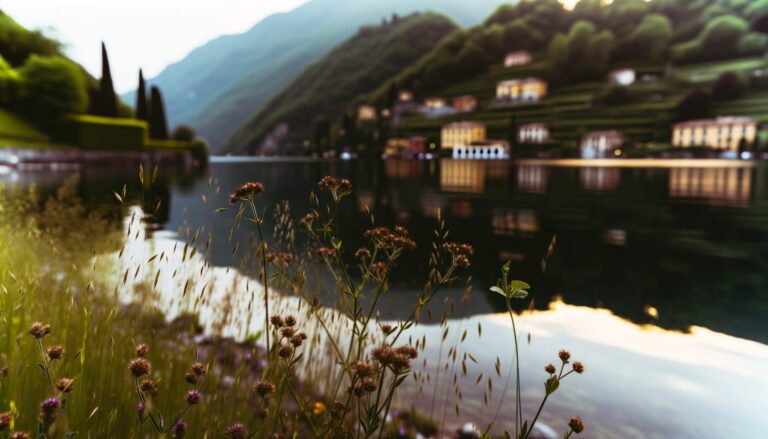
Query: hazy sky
(139, 33)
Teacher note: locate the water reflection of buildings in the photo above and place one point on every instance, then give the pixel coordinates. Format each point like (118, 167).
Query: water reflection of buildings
(462, 176)
(600, 179)
(404, 169)
(510, 222)
(532, 179)
(731, 186)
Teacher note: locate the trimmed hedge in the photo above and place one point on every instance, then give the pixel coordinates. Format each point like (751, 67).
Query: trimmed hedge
(15, 129)
(94, 132)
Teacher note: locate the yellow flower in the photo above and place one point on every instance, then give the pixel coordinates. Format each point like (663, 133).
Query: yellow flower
(318, 408)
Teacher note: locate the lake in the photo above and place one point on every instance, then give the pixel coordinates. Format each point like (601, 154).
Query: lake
(658, 280)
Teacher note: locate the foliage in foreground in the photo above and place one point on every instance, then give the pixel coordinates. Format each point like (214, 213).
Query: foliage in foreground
(325, 373)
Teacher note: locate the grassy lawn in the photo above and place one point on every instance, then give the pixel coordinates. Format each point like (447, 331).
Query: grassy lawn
(17, 131)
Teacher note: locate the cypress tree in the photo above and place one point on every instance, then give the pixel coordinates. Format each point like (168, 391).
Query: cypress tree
(142, 111)
(107, 100)
(158, 125)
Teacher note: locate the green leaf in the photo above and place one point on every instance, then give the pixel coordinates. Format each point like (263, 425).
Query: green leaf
(519, 285)
(496, 289)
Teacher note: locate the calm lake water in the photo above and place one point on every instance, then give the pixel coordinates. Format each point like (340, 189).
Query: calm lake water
(658, 281)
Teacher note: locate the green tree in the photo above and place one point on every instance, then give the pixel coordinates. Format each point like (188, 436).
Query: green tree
(728, 86)
(51, 86)
(9, 83)
(158, 124)
(649, 42)
(721, 36)
(142, 109)
(753, 43)
(558, 52)
(106, 100)
(597, 55)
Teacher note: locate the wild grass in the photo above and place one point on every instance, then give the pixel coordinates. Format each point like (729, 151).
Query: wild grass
(107, 333)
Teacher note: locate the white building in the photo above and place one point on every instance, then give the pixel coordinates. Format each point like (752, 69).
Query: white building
(600, 143)
(533, 133)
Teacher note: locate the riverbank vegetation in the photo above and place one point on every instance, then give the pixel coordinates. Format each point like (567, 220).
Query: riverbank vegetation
(86, 347)
(47, 99)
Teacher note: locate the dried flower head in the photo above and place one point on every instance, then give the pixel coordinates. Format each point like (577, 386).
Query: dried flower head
(276, 321)
(387, 329)
(564, 356)
(290, 321)
(5, 420)
(298, 339)
(550, 369)
(55, 352)
(287, 332)
(246, 192)
(193, 397)
(142, 350)
(48, 409)
(139, 367)
(331, 183)
(39, 330)
(309, 218)
(576, 424)
(578, 367)
(179, 429)
(390, 239)
(326, 252)
(264, 388)
(65, 385)
(19, 435)
(236, 431)
(362, 253)
(285, 351)
(199, 369)
(191, 378)
(363, 369)
(149, 386)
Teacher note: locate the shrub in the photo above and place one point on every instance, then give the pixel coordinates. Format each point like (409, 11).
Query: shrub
(9, 83)
(695, 105)
(50, 87)
(184, 133)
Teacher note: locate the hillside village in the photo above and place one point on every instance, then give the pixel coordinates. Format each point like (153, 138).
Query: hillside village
(468, 138)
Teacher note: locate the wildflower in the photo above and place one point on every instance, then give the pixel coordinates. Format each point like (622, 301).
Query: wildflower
(332, 183)
(336, 408)
(64, 385)
(318, 408)
(550, 369)
(191, 378)
(309, 218)
(285, 351)
(149, 386)
(39, 330)
(140, 408)
(387, 328)
(56, 352)
(564, 356)
(576, 424)
(282, 257)
(264, 388)
(383, 354)
(199, 369)
(363, 369)
(362, 253)
(20, 435)
(5, 420)
(462, 261)
(139, 367)
(326, 252)
(287, 332)
(369, 385)
(236, 431)
(458, 248)
(290, 321)
(193, 397)
(578, 367)
(276, 321)
(298, 339)
(48, 409)
(179, 429)
(246, 192)
(142, 350)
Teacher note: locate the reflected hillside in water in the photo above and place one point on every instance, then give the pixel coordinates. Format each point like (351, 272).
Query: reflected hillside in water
(687, 237)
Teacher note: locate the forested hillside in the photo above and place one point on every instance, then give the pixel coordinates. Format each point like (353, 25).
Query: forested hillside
(326, 88)
(222, 84)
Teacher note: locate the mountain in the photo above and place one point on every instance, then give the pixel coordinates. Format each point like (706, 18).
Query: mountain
(329, 86)
(221, 84)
